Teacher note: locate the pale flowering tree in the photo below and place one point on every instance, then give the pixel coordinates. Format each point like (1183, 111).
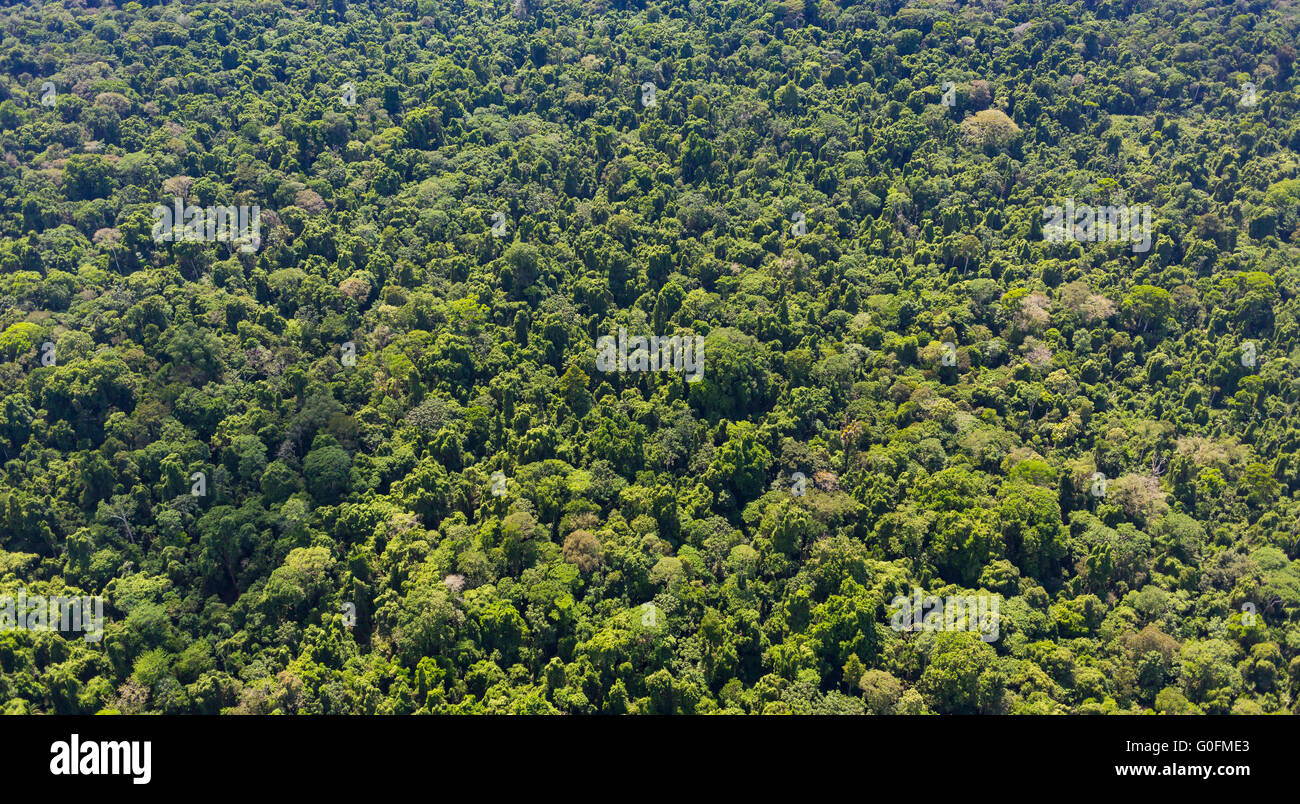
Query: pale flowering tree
(1097, 308)
(989, 128)
(826, 481)
(178, 186)
(1091, 307)
(1037, 353)
(116, 101)
(1139, 496)
(355, 287)
(583, 549)
(1034, 313)
(309, 200)
(110, 239)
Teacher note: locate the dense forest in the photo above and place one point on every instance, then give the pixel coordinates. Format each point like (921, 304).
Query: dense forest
(366, 461)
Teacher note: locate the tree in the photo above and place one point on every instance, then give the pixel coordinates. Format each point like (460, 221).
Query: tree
(1146, 306)
(961, 677)
(327, 469)
(740, 465)
(990, 128)
(583, 549)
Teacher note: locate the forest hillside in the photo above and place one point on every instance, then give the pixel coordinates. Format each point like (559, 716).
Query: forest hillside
(720, 356)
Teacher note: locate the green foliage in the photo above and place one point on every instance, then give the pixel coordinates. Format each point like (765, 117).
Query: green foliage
(418, 492)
